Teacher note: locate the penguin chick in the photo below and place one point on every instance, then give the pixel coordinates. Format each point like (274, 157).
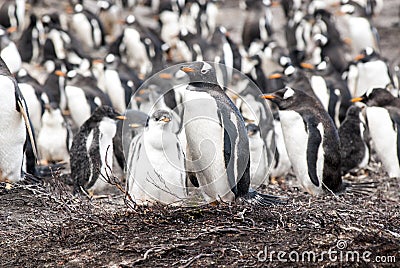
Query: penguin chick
(91, 153)
(156, 167)
(383, 117)
(55, 136)
(311, 139)
(258, 158)
(354, 151)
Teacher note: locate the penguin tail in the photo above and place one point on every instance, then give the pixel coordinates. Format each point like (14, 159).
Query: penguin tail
(49, 170)
(362, 188)
(256, 198)
(31, 179)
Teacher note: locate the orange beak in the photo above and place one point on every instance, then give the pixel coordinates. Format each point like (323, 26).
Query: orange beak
(11, 30)
(59, 73)
(165, 76)
(97, 61)
(69, 10)
(358, 99)
(187, 69)
(274, 76)
(268, 97)
(275, 4)
(307, 65)
(121, 117)
(359, 57)
(166, 119)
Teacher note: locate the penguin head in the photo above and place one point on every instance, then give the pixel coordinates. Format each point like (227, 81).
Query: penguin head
(353, 112)
(375, 97)
(200, 71)
(284, 98)
(367, 54)
(104, 112)
(159, 118)
(52, 115)
(252, 129)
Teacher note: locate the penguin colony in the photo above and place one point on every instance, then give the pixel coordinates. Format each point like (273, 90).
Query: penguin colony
(73, 74)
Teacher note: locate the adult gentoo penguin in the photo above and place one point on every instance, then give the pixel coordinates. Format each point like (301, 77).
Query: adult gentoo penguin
(217, 143)
(92, 150)
(383, 119)
(354, 150)
(311, 139)
(15, 123)
(156, 163)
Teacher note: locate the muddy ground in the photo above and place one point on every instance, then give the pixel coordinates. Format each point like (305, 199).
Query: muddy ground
(45, 226)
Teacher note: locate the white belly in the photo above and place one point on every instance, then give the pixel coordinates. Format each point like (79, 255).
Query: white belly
(11, 57)
(83, 30)
(284, 165)
(361, 35)
(296, 140)
(34, 106)
(157, 173)
(52, 144)
(205, 139)
(384, 139)
(77, 103)
(115, 90)
(258, 161)
(371, 75)
(13, 136)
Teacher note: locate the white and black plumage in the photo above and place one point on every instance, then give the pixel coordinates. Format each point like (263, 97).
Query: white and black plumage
(31, 41)
(139, 47)
(327, 42)
(132, 126)
(354, 149)
(359, 78)
(14, 119)
(33, 93)
(217, 143)
(383, 119)
(91, 153)
(311, 139)
(360, 30)
(156, 164)
(87, 27)
(83, 97)
(9, 51)
(12, 14)
(258, 22)
(259, 167)
(55, 136)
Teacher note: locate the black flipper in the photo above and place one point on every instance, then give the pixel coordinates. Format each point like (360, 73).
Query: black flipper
(314, 141)
(395, 116)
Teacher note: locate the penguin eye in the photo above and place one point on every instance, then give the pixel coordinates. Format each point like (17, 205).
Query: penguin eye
(204, 71)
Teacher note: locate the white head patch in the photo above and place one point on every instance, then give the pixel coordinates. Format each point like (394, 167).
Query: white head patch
(130, 19)
(206, 67)
(369, 51)
(289, 70)
(22, 72)
(289, 93)
(110, 58)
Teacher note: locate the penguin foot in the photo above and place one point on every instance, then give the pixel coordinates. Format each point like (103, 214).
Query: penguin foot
(362, 188)
(256, 198)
